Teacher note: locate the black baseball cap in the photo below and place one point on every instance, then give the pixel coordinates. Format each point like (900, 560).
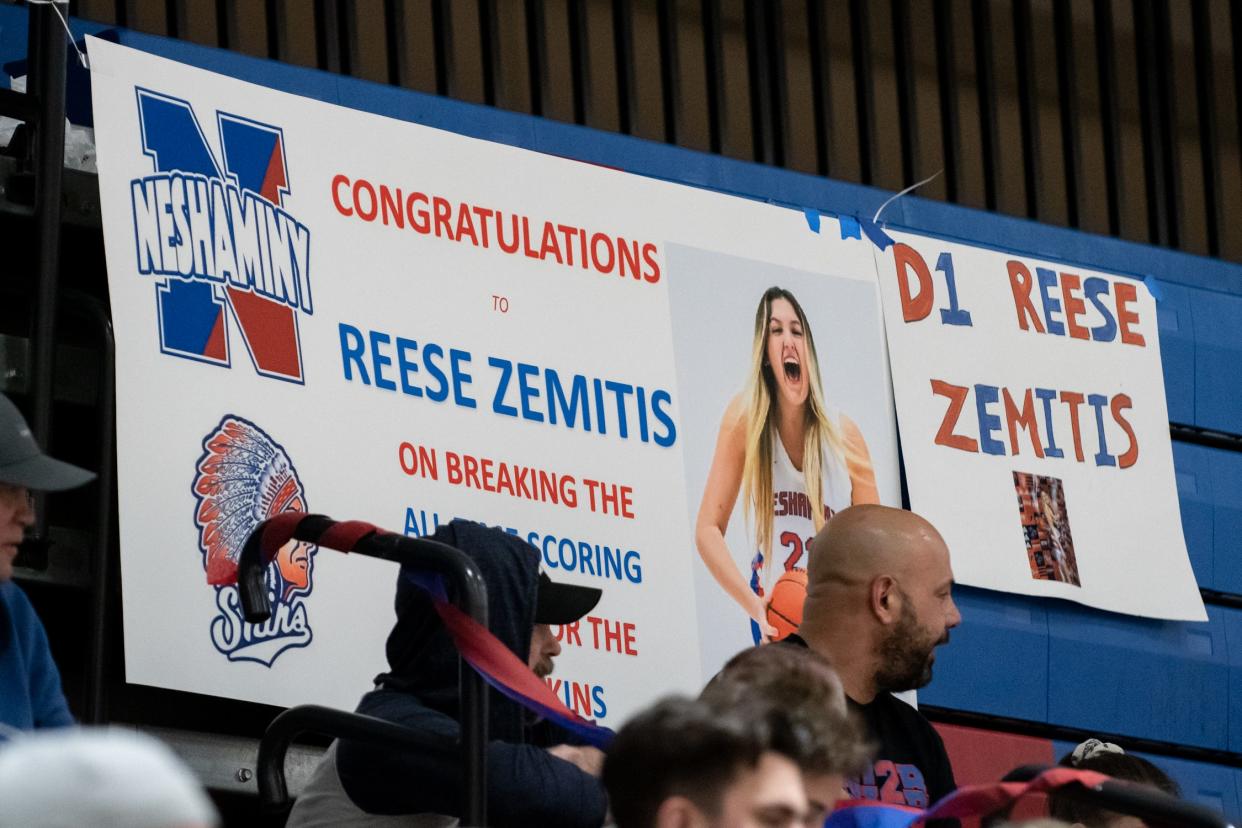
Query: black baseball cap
(563, 603)
(23, 463)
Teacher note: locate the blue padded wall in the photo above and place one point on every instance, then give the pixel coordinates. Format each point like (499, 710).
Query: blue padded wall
(1194, 466)
(1009, 633)
(1177, 349)
(1233, 636)
(1160, 680)
(1218, 360)
(1209, 485)
(1226, 469)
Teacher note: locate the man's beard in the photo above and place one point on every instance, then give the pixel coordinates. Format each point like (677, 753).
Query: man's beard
(906, 654)
(544, 668)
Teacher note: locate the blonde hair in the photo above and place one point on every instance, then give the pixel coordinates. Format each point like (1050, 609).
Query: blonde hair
(821, 434)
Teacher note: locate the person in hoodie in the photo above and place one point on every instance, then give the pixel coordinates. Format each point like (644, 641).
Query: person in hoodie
(360, 784)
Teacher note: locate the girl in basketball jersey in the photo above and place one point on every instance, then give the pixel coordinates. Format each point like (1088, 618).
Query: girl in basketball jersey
(796, 460)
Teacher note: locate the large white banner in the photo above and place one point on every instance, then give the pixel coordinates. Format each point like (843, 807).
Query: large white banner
(327, 310)
(1035, 433)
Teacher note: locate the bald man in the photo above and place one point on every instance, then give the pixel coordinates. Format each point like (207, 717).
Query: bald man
(879, 601)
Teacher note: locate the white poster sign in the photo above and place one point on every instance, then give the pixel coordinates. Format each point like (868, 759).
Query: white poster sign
(1035, 433)
(326, 310)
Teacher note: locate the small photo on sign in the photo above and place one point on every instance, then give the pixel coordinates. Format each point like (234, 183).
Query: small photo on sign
(1045, 524)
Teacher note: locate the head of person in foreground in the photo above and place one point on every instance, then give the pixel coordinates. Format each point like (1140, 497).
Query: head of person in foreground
(800, 686)
(684, 764)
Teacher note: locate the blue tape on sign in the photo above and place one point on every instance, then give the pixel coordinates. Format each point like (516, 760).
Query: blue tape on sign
(1153, 287)
(849, 227)
(812, 218)
(876, 233)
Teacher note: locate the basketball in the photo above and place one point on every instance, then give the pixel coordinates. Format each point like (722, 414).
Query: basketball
(785, 608)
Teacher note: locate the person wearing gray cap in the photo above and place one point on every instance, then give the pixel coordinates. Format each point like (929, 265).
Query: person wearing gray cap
(30, 692)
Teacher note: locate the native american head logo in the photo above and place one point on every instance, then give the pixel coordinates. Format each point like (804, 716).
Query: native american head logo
(242, 478)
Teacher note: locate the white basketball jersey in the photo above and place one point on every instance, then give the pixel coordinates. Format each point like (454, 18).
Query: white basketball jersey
(793, 526)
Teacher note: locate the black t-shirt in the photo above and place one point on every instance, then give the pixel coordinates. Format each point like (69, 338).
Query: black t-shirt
(911, 766)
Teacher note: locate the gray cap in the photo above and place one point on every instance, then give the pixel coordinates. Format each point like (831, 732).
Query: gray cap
(23, 463)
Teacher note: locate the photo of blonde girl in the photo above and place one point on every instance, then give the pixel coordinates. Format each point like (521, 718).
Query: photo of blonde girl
(784, 448)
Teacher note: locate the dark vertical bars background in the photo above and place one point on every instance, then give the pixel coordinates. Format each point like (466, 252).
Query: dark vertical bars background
(713, 58)
(623, 50)
(537, 56)
(1028, 105)
(1205, 95)
(864, 88)
(579, 60)
(1153, 173)
(442, 38)
(758, 68)
(1235, 43)
(821, 84)
(394, 42)
(226, 23)
(327, 38)
(489, 51)
(985, 80)
(1167, 121)
(777, 83)
(670, 69)
(347, 36)
(946, 84)
(275, 40)
(174, 18)
(337, 48)
(1106, 68)
(1067, 92)
(907, 106)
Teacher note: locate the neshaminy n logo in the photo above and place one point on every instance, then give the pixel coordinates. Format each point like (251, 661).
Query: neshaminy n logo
(213, 229)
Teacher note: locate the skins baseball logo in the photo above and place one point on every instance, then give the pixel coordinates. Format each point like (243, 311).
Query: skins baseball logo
(214, 231)
(242, 478)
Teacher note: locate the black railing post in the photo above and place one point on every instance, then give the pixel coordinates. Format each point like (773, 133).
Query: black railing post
(46, 83)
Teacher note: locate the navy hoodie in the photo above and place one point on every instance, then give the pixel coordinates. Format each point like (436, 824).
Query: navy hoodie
(526, 784)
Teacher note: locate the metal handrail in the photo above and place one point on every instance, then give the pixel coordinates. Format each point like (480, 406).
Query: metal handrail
(313, 718)
(470, 596)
